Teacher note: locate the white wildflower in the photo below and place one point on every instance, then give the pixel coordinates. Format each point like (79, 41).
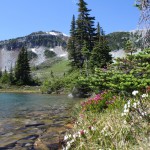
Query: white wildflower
(126, 110)
(144, 95)
(75, 135)
(138, 103)
(128, 103)
(72, 141)
(85, 131)
(144, 113)
(125, 122)
(93, 128)
(123, 114)
(66, 137)
(134, 93)
(125, 106)
(134, 104)
(79, 134)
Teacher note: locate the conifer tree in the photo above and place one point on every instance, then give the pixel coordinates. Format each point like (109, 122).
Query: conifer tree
(0, 73)
(129, 47)
(22, 69)
(5, 77)
(100, 55)
(11, 75)
(71, 44)
(85, 30)
(86, 56)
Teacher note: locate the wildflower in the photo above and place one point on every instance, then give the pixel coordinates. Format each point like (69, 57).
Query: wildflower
(125, 106)
(126, 110)
(79, 135)
(75, 135)
(123, 114)
(125, 122)
(72, 141)
(128, 103)
(144, 113)
(66, 137)
(82, 133)
(92, 128)
(144, 95)
(134, 93)
(68, 145)
(134, 104)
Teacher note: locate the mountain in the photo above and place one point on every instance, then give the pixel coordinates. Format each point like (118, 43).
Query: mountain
(117, 40)
(40, 45)
(44, 45)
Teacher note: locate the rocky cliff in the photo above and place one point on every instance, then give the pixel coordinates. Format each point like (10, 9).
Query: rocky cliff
(36, 43)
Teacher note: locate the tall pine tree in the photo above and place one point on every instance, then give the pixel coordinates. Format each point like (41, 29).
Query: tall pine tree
(71, 45)
(22, 69)
(85, 31)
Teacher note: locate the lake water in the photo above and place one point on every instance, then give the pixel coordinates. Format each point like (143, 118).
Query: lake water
(24, 118)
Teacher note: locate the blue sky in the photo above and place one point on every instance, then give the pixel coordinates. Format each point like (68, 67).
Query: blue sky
(21, 17)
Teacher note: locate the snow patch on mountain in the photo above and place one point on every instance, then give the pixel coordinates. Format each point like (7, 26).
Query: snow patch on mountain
(40, 53)
(41, 56)
(53, 33)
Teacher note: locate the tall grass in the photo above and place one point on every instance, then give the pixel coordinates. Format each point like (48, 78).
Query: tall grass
(110, 130)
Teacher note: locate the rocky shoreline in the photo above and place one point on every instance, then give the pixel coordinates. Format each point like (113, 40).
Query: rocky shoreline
(41, 133)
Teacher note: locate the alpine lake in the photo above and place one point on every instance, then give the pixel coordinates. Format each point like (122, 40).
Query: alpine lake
(34, 121)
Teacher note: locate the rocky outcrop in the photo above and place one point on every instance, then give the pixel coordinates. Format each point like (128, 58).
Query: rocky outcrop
(37, 43)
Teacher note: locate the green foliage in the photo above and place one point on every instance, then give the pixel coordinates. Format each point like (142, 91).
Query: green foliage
(129, 47)
(100, 56)
(71, 46)
(117, 40)
(58, 84)
(125, 75)
(87, 46)
(22, 69)
(5, 78)
(99, 103)
(81, 31)
(49, 54)
(32, 55)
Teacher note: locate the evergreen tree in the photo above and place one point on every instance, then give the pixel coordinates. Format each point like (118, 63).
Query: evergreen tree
(129, 47)
(11, 76)
(5, 77)
(0, 73)
(85, 31)
(86, 56)
(99, 31)
(71, 45)
(100, 55)
(22, 69)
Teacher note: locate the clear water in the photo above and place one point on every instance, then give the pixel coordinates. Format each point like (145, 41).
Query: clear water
(19, 110)
(12, 105)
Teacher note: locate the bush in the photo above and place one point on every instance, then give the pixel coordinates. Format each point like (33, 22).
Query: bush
(60, 84)
(99, 103)
(124, 76)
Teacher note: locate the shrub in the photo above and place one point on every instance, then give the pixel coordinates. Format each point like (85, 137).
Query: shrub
(99, 102)
(124, 76)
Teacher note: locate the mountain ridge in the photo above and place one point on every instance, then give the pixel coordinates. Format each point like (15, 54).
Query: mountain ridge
(36, 43)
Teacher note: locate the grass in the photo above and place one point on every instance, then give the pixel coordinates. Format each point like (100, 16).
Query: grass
(19, 89)
(109, 130)
(58, 69)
